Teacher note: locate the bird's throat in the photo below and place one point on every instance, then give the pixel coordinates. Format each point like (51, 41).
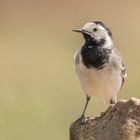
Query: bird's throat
(94, 55)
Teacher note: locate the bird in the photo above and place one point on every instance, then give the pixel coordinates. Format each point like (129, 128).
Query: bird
(99, 64)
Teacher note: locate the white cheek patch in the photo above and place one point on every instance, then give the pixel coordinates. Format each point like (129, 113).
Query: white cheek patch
(109, 42)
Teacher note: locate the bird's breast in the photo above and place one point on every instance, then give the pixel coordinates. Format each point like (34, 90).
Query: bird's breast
(98, 82)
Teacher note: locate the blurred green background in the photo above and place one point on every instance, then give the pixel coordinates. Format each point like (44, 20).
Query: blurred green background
(40, 94)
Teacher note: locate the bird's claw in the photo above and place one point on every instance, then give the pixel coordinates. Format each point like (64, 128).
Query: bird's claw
(82, 120)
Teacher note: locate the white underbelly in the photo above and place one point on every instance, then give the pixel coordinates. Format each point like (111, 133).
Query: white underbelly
(105, 82)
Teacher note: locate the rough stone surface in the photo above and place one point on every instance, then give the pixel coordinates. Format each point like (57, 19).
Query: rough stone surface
(118, 122)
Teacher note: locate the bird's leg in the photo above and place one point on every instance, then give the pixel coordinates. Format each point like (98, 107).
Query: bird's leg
(85, 107)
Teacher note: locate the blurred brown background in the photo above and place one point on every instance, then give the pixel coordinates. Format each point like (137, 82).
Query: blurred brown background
(39, 92)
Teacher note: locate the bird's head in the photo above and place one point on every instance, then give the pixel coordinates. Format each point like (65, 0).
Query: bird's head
(96, 31)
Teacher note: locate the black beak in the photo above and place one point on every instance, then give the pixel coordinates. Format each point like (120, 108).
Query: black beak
(87, 35)
(78, 30)
(81, 31)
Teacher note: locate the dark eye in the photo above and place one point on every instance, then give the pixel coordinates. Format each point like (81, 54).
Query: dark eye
(95, 29)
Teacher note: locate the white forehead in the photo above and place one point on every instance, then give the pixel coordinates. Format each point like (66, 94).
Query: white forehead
(90, 25)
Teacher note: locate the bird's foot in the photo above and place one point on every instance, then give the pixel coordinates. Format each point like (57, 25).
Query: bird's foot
(82, 120)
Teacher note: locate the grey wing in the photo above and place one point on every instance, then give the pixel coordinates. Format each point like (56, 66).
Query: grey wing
(123, 74)
(123, 68)
(77, 57)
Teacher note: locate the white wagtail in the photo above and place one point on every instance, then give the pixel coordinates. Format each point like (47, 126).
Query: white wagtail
(98, 64)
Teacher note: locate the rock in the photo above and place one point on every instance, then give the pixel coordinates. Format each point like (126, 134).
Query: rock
(119, 122)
